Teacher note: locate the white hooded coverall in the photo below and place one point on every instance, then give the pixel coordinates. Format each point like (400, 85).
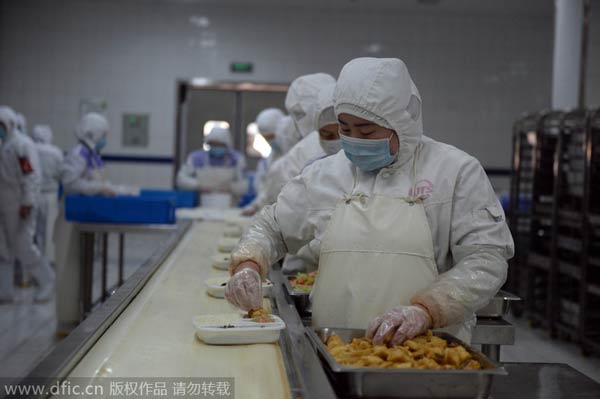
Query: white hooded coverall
(267, 121)
(303, 105)
(51, 158)
(82, 173)
(220, 178)
(471, 241)
(20, 178)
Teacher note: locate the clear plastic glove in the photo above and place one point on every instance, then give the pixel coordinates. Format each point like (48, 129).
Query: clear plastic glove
(250, 210)
(244, 290)
(399, 324)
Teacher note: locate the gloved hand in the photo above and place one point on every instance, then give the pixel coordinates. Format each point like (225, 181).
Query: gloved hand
(244, 290)
(250, 210)
(399, 324)
(108, 192)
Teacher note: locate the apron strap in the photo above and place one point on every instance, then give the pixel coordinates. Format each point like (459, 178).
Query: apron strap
(413, 198)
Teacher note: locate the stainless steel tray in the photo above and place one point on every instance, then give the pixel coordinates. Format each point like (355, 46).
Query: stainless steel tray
(498, 306)
(394, 383)
(301, 299)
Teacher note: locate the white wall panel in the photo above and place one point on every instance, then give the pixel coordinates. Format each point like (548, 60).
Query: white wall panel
(477, 71)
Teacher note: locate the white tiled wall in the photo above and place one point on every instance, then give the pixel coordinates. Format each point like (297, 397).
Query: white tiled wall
(476, 71)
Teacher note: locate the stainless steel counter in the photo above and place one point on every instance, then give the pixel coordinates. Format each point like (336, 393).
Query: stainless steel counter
(306, 377)
(544, 381)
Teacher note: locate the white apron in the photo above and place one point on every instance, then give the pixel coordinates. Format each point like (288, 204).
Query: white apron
(376, 254)
(219, 179)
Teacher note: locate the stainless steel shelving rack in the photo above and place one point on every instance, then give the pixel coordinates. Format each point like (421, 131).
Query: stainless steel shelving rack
(543, 218)
(521, 191)
(558, 240)
(563, 306)
(589, 292)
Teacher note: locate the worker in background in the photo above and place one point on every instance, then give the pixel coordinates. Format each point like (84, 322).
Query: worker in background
(408, 231)
(267, 121)
(317, 105)
(217, 173)
(286, 137)
(302, 103)
(82, 172)
(22, 273)
(51, 158)
(20, 178)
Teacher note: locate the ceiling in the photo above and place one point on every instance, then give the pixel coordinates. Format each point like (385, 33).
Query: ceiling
(523, 7)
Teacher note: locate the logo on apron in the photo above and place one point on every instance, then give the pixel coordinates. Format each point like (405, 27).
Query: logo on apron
(423, 188)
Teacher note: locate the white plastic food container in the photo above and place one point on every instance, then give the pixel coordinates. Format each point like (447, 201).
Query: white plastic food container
(237, 221)
(221, 261)
(234, 330)
(226, 245)
(216, 286)
(233, 231)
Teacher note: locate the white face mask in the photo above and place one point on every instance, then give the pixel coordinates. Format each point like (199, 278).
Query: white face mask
(331, 146)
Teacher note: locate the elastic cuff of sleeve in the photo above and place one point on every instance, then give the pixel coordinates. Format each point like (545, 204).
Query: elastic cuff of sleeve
(236, 261)
(432, 307)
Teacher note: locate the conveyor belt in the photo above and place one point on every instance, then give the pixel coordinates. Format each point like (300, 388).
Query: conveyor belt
(154, 337)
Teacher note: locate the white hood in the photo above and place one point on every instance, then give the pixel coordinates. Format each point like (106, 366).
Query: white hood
(301, 100)
(267, 120)
(220, 135)
(8, 117)
(325, 113)
(381, 90)
(42, 134)
(92, 127)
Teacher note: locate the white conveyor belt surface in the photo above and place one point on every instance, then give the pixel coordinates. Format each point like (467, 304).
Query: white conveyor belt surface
(154, 336)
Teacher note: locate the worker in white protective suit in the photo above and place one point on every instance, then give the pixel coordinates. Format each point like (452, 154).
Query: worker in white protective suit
(408, 231)
(286, 137)
(51, 159)
(321, 142)
(217, 173)
(267, 121)
(302, 103)
(82, 173)
(19, 188)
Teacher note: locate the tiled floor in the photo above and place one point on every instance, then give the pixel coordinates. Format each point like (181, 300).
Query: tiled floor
(536, 346)
(27, 329)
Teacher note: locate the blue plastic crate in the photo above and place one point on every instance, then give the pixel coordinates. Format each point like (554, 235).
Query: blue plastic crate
(120, 209)
(183, 199)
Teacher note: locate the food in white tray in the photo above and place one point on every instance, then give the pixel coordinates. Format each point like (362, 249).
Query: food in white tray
(226, 245)
(235, 329)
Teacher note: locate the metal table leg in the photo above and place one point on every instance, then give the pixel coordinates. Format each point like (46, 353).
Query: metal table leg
(491, 351)
(104, 265)
(86, 253)
(121, 256)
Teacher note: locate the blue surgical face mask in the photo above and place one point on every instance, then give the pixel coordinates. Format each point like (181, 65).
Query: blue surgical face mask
(101, 144)
(368, 154)
(218, 152)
